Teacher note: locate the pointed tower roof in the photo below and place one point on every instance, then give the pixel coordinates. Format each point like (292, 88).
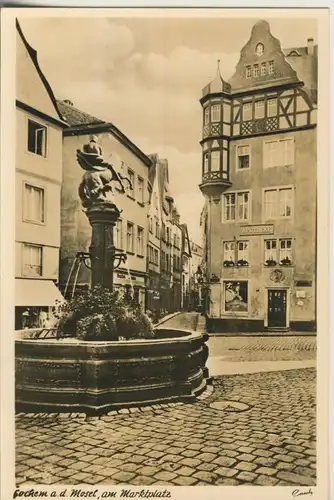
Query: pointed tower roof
(262, 63)
(217, 85)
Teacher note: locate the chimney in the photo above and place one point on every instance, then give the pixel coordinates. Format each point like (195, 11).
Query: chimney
(310, 46)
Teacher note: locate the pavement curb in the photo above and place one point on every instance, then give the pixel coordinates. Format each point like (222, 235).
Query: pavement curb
(167, 318)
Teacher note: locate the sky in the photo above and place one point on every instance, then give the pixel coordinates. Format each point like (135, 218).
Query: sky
(146, 76)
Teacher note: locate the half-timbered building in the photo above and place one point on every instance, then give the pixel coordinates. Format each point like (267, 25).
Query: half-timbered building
(259, 149)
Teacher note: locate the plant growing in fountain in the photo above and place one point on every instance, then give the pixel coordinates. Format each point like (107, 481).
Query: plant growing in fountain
(98, 314)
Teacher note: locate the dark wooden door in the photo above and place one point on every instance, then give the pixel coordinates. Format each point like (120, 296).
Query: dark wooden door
(276, 308)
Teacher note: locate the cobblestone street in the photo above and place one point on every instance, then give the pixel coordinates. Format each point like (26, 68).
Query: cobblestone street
(271, 442)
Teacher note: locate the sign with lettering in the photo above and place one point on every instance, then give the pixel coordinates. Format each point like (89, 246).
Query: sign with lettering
(257, 229)
(303, 283)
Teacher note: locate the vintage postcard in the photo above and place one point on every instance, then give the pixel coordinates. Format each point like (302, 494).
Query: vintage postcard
(165, 237)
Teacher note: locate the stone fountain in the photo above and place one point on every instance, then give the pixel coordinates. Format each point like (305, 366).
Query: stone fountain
(95, 376)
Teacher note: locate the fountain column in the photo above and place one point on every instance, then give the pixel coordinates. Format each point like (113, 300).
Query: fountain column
(102, 217)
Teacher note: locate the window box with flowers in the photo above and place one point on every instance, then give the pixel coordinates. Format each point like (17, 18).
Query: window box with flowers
(228, 263)
(242, 263)
(271, 263)
(285, 262)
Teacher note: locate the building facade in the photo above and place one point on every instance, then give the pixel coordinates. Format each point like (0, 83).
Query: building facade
(165, 236)
(131, 229)
(39, 126)
(154, 237)
(259, 179)
(186, 303)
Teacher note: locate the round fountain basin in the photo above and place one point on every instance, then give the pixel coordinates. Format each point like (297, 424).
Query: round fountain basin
(74, 375)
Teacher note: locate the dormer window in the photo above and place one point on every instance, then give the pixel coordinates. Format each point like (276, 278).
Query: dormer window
(271, 67)
(248, 71)
(256, 70)
(215, 113)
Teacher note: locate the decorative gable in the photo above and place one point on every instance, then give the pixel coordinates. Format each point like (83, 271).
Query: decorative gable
(262, 62)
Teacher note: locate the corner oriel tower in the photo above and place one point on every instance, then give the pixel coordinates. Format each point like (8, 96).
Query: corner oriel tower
(259, 182)
(216, 103)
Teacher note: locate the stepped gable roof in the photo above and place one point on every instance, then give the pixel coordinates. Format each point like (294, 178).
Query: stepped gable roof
(262, 47)
(217, 85)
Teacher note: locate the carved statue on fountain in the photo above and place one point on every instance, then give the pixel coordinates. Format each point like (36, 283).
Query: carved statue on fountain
(99, 175)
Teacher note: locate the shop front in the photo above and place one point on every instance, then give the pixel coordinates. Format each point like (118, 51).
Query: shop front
(34, 303)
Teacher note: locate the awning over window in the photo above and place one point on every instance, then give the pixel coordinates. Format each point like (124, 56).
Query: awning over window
(36, 293)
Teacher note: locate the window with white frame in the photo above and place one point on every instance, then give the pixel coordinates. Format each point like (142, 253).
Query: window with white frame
(272, 107)
(259, 109)
(243, 206)
(243, 247)
(215, 113)
(229, 251)
(206, 163)
(157, 229)
(278, 153)
(140, 190)
(285, 202)
(271, 67)
(34, 204)
(119, 233)
(156, 257)
(247, 111)
(256, 70)
(236, 206)
(285, 251)
(243, 157)
(248, 71)
(270, 251)
(215, 161)
(263, 69)
(131, 176)
(206, 115)
(278, 203)
(130, 237)
(32, 260)
(270, 203)
(36, 138)
(229, 207)
(140, 240)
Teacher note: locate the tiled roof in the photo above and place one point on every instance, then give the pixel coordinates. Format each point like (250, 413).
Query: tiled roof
(81, 122)
(298, 51)
(75, 117)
